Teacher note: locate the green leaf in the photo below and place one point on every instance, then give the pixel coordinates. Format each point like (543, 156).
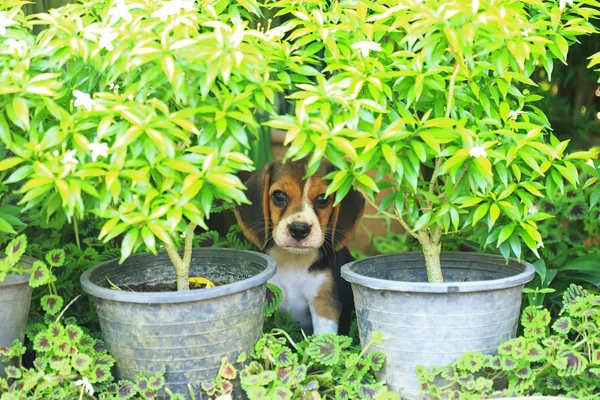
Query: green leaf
(40, 275)
(505, 233)
(5, 135)
(21, 111)
(367, 181)
(324, 349)
(422, 221)
(10, 162)
(480, 212)
(51, 304)
(56, 258)
(129, 243)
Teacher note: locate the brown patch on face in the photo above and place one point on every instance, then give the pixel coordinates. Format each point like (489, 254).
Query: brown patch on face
(293, 192)
(294, 200)
(326, 303)
(318, 187)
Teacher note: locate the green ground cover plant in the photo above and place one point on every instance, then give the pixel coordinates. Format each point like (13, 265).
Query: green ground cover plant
(559, 357)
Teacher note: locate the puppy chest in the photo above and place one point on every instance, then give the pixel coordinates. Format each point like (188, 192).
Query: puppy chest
(299, 289)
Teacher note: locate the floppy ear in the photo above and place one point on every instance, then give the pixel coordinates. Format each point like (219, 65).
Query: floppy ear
(254, 218)
(345, 218)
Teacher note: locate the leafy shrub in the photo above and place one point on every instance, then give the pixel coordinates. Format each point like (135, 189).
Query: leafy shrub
(432, 99)
(139, 113)
(324, 366)
(560, 357)
(39, 273)
(65, 355)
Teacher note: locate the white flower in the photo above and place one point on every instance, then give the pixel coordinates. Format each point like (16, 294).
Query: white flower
(5, 22)
(366, 46)
(69, 158)
(526, 32)
(173, 7)
(114, 86)
(276, 33)
(502, 12)
(87, 386)
(562, 4)
(98, 149)
(514, 114)
(106, 39)
(83, 99)
(120, 10)
(18, 47)
(477, 151)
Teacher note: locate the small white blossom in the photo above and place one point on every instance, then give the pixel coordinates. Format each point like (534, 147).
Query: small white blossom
(69, 158)
(5, 22)
(118, 11)
(83, 99)
(105, 41)
(114, 86)
(366, 46)
(173, 7)
(98, 149)
(276, 33)
(477, 151)
(55, 153)
(502, 12)
(18, 47)
(514, 114)
(87, 386)
(562, 4)
(526, 32)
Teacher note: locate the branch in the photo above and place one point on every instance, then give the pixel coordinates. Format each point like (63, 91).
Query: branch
(392, 216)
(174, 257)
(187, 252)
(438, 161)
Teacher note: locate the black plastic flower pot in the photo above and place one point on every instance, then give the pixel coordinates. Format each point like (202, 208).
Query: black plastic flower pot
(476, 309)
(15, 298)
(186, 334)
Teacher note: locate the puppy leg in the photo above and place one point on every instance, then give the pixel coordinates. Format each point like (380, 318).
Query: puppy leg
(325, 308)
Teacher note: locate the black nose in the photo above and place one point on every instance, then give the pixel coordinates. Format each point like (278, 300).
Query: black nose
(299, 231)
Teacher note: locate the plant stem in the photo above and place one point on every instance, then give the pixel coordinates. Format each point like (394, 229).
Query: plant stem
(76, 229)
(182, 265)
(178, 265)
(432, 248)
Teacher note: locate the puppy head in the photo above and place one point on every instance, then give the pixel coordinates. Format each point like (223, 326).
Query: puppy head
(292, 213)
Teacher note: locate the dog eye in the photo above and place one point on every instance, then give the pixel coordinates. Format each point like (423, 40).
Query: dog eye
(279, 198)
(321, 201)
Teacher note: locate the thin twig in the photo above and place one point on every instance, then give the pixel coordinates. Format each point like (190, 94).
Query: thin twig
(392, 216)
(66, 307)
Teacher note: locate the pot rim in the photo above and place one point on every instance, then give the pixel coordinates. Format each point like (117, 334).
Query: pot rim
(180, 297)
(521, 278)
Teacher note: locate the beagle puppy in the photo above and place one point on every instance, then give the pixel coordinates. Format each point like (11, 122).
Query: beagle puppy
(291, 220)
